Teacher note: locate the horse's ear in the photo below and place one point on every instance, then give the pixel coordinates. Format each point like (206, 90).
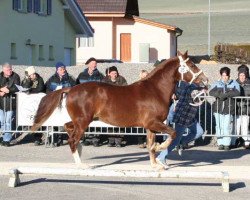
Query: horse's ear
(179, 53)
(186, 54)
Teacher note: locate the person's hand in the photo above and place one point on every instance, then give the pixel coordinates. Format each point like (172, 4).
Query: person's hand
(90, 72)
(5, 89)
(2, 94)
(26, 75)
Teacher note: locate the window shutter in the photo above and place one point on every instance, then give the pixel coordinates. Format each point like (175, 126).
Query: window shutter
(49, 7)
(37, 6)
(29, 6)
(15, 4)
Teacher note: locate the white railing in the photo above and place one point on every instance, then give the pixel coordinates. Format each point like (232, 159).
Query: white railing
(28, 104)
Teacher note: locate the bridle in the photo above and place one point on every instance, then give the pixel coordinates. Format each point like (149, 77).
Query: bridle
(183, 68)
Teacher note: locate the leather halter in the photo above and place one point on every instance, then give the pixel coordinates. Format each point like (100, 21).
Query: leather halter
(183, 68)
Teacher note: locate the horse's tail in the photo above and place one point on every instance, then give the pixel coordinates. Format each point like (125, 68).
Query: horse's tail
(47, 106)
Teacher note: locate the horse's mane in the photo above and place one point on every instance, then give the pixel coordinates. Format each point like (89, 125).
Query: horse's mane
(160, 67)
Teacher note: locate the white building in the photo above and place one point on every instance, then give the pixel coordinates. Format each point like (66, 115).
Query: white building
(121, 34)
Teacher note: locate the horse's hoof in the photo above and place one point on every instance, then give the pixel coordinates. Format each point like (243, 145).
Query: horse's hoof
(161, 168)
(161, 164)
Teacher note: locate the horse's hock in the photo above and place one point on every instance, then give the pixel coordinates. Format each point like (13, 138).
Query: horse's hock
(218, 175)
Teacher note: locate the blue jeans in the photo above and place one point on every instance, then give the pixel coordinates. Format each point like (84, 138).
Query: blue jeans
(224, 126)
(170, 114)
(170, 117)
(6, 124)
(195, 132)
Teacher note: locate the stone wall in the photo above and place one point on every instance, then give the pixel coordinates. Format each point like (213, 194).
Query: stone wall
(129, 70)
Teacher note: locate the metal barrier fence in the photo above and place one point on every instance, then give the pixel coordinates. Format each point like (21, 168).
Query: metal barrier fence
(20, 124)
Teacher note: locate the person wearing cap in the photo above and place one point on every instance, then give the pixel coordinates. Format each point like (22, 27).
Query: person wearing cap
(8, 80)
(59, 80)
(223, 90)
(114, 78)
(91, 73)
(34, 82)
(245, 68)
(243, 107)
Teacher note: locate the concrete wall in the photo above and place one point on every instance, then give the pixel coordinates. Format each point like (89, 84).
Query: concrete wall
(128, 70)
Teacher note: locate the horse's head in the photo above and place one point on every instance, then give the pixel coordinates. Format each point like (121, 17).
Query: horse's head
(189, 71)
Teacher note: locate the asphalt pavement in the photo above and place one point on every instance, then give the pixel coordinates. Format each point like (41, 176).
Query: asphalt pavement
(199, 158)
(195, 159)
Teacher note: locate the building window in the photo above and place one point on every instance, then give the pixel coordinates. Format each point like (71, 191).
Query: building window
(24, 6)
(51, 52)
(86, 41)
(13, 51)
(43, 7)
(41, 53)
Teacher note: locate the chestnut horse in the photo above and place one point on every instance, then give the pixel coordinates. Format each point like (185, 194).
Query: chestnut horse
(144, 103)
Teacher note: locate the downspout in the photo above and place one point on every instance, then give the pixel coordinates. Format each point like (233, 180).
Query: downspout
(178, 33)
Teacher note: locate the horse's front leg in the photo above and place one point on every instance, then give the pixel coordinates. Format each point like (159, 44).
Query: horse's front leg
(150, 143)
(162, 128)
(168, 141)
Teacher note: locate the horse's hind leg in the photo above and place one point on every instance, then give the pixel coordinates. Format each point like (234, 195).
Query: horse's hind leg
(75, 149)
(150, 143)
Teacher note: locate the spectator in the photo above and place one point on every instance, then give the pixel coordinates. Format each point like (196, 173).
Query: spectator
(59, 80)
(142, 141)
(115, 79)
(35, 83)
(8, 79)
(91, 73)
(245, 68)
(185, 117)
(243, 107)
(224, 90)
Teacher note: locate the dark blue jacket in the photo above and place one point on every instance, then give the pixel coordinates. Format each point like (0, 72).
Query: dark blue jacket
(84, 76)
(55, 81)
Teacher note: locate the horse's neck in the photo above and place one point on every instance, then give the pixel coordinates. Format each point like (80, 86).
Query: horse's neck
(167, 75)
(165, 78)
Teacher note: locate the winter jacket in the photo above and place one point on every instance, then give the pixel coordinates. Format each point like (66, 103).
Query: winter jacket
(55, 81)
(243, 105)
(8, 101)
(35, 86)
(84, 76)
(224, 92)
(120, 80)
